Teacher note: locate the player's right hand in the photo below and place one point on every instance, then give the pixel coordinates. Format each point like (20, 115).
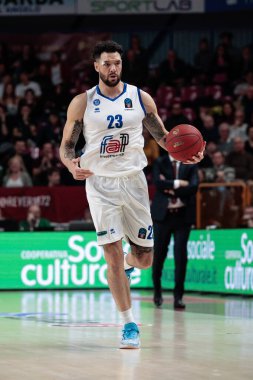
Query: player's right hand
(183, 183)
(78, 173)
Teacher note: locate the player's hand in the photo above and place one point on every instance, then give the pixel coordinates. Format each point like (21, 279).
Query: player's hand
(198, 157)
(171, 192)
(183, 183)
(78, 173)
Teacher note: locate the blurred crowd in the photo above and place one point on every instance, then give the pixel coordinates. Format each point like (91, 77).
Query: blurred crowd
(214, 93)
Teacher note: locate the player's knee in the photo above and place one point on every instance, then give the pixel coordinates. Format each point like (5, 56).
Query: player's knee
(113, 255)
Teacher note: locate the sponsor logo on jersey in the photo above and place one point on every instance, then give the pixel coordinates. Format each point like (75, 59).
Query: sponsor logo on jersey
(96, 102)
(112, 231)
(110, 146)
(142, 233)
(101, 233)
(128, 103)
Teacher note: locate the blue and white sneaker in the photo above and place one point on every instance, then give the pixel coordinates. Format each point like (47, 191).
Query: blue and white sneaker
(130, 336)
(129, 272)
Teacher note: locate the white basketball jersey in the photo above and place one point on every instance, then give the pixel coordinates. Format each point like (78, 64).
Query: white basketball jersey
(113, 133)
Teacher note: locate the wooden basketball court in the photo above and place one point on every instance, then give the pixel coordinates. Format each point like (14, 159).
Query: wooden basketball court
(74, 335)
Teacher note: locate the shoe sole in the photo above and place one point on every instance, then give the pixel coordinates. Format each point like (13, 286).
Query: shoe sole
(129, 347)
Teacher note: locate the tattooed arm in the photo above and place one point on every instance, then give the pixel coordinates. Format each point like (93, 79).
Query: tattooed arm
(71, 132)
(155, 126)
(152, 121)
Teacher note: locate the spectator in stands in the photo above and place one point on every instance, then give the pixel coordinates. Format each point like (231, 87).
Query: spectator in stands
(172, 70)
(22, 150)
(221, 196)
(225, 145)
(203, 58)
(246, 61)
(57, 70)
(247, 103)
(10, 100)
(242, 86)
(219, 172)
(239, 127)
(51, 129)
(239, 159)
(16, 175)
(4, 81)
(28, 60)
(221, 66)
(33, 220)
(135, 68)
(25, 84)
(21, 129)
(228, 113)
(33, 102)
(249, 142)
(177, 117)
(4, 125)
(42, 77)
(46, 161)
(53, 177)
(226, 40)
(209, 129)
(135, 45)
(59, 99)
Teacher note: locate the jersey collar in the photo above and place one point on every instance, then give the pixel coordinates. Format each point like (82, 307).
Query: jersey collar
(111, 99)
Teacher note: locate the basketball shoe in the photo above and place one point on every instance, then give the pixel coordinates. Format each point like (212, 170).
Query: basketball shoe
(130, 336)
(129, 272)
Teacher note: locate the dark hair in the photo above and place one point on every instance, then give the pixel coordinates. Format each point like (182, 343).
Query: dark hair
(106, 47)
(219, 151)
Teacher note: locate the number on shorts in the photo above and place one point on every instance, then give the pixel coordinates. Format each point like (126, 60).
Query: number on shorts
(150, 235)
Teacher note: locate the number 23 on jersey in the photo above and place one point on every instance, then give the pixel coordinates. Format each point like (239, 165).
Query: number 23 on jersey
(115, 121)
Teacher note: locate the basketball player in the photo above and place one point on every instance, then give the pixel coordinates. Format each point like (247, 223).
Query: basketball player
(111, 116)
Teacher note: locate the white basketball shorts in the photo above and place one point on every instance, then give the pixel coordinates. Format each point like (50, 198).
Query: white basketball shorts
(120, 209)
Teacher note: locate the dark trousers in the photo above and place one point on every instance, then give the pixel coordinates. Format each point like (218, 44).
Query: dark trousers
(174, 223)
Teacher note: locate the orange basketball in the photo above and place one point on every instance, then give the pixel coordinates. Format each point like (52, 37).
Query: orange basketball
(183, 142)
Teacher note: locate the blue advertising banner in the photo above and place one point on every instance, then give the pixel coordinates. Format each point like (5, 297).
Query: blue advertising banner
(227, 5)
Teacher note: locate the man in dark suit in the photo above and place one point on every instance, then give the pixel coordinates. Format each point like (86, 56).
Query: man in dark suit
(173, 212)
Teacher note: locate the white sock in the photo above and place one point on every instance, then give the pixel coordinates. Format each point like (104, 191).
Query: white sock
(126, 316)
(126, 265)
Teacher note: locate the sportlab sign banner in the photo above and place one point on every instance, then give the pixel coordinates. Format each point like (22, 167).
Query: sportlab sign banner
(98, 7)
(118, 7)
(219, 261)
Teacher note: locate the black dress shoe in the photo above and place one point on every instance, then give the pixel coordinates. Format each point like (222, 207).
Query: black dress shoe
(158, 301)
(179, 305)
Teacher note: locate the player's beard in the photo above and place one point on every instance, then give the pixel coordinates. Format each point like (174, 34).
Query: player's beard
(108, 82)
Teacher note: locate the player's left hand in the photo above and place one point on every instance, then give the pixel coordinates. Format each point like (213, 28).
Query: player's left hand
(198, 157)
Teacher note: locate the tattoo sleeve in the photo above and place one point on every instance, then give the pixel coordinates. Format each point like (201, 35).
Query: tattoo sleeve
(153, 125)
(69, 146)
(138, 250)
